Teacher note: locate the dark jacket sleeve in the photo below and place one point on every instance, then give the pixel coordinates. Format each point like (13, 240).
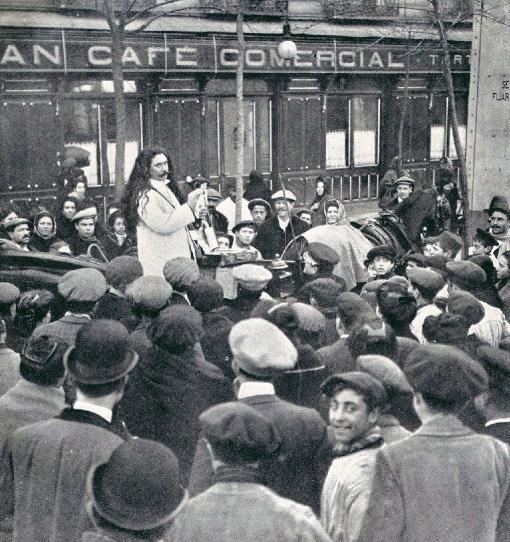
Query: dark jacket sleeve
(201, 477)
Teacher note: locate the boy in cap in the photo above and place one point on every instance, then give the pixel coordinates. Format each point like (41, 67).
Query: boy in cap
(382, 259)
(85, 235)
(354, 401)
(446, 244)
(260, 209)
(45, 465)
(238, 506)
(319, 260)
(135, 495)
(279, 230)
(245, 233)
(444, 481)
(424, 285)
(483, 242)
(305, 214)
(252, 280)
(80, 289)
(256, 363)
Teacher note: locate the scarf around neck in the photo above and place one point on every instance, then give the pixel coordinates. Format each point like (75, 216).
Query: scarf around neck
(373, 439)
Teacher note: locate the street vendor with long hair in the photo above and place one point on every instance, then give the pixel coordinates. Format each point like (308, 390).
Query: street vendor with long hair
(155, 209)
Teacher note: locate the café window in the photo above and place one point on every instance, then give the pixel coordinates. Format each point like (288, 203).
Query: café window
(438, 116)
(352, 131)
(302, 132)
(91, 126)
(415, 137)
(461, 103)
(223, 139)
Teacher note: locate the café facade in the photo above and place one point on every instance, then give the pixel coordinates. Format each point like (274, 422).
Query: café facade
(334, 110)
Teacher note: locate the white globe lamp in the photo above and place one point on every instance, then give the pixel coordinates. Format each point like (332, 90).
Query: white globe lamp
(287, 49)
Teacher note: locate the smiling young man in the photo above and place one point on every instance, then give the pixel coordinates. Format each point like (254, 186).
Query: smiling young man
(354, 401)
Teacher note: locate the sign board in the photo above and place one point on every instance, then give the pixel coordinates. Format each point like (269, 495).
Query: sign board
(163, 53)
(488, 141)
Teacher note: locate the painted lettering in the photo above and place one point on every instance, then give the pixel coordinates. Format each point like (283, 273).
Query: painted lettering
(392, 63)
(325, 58)
(228, 57)
(376, 60)
(299, 60)
(433, 58)
(276, 61)
(255, 58)
(186, 56)
(347, 59)
(457, 59)
(130, 55)
(12, 54)
(96, 55)
(152, 53)
(40, 52)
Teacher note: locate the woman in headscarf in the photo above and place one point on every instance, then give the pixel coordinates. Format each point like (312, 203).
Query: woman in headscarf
(317, 205)
(350, 244)
(43, 238)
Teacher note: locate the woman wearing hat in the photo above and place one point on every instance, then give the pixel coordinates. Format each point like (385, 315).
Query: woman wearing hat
(155, 209)
(351, 246)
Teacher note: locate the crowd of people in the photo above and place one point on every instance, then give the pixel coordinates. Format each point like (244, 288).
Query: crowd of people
(372, 404)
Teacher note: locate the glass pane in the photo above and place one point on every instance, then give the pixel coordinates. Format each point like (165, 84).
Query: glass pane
(263, 111)
(294, 133)
(437, 127)
(211, 124)
(132, 137)
(461, 107)
(313, 140)
(420, 129)
(364, 126)
(337, 122)
(80, 122)
(230, 137)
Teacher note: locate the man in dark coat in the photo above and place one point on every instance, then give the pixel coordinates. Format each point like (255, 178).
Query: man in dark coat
(444, 482)
(44, 465)
(297, 474)
(256, 187)
(173, 385)
(278, 231)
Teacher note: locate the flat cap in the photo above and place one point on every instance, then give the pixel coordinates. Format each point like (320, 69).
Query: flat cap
(396, 304)
(259, 201)
(149, 292)
(358, 381)
(405, 180)
(87, 212)
(386, 371)
(251, 276)
(177, 328)
(351, 307)
(205, 294)
(497, 364)
(181, 272)
(260, 348)
(385, 251)
(445, 373)
(426, 279)
(123, 270)
(372, 286)
(445, 328)
(486, 238)
(9, 293)
(287, 194)
(308, 317)
(237, 431)
(465, 273)
(84, 284)
(416, 257)
(213, 194)
(15, 222)
(325, 291)
(245, 224)
(322, 253)
(466, 306)
(436, 263)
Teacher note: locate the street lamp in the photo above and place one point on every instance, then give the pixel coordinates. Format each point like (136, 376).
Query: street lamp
(287, 48)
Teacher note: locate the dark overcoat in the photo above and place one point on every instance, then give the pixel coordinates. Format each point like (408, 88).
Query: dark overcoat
(272, 240)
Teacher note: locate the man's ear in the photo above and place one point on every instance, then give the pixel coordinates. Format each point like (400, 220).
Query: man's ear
(76, 225)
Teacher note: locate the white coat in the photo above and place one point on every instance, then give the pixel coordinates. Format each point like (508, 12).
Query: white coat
(161, 232)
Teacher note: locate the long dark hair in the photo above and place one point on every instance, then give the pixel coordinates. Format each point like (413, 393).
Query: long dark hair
(317, 198)
(139, 184)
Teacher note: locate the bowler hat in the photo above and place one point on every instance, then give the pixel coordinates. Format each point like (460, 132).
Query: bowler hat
(363, 383)
(101, 353)
(137, 488)
(445, 374)
(238, 431)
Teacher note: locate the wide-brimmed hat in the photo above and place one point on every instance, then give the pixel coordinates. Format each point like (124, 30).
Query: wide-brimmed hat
(101, 353)
(281, 194)
(138, 487)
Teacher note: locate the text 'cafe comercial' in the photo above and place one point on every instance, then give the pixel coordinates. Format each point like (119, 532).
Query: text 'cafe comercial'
(159, 54)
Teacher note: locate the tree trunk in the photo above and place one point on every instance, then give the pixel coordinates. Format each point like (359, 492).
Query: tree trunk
(117, 32)
(455, 124)
(240, 113)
